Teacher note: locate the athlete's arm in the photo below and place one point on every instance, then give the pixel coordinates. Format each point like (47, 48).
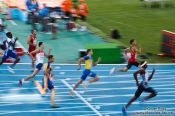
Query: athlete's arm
(79, 63)
(29, 40)
(139, 50)
(47, 54)
(95, 63)
(46, 72)
(126, 51)
(151, 76)
(33, 52)
(135, 77)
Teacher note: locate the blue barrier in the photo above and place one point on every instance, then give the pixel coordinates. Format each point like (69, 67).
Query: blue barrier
(18, 14)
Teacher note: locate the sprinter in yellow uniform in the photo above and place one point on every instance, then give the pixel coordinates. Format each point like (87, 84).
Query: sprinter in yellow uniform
(87, 71)
(47, 81)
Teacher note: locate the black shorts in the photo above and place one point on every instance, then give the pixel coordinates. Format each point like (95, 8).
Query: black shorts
(141, 89)
(130, 64)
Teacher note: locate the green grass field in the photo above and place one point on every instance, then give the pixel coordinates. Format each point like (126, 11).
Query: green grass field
(133, 21)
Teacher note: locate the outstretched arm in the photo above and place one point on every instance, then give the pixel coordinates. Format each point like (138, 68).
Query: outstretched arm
(151, 76)
(47, 54)
(95, 63)
(135, 77)
(139, 50)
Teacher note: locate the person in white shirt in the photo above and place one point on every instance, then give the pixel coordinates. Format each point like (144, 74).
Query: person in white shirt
(40, 54)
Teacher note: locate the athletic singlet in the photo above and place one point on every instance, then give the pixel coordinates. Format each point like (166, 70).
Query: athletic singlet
(47, 66)
(132, 56)
(40, 57)
(33, 41)
(145, 77)
(8, 46)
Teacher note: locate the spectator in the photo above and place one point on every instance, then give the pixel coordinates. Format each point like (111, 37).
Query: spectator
(32, 8)
(66, 6)
(44, 11)
(83, 10)
(32, 5)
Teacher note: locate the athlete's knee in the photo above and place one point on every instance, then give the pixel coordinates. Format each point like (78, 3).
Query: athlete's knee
(81, 81)
(17, 59)
(154, 93)
(125, 69)
(97, 78)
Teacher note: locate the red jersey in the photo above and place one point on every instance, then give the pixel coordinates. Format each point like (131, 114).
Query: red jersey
(132, 57)
(32, 47)
(33, 41)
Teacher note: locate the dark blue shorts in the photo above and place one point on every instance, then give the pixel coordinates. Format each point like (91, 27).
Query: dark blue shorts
(86, 73)
(49, 83)
(141, 89)
(39, 66)
(9, 53)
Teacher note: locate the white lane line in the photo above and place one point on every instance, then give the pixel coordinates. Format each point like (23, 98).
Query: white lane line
(13, 22)
(67, 64)
(27, 69)
(87, 103)
(95, 89)
(164, 100)
(41, 110)
(111, 96)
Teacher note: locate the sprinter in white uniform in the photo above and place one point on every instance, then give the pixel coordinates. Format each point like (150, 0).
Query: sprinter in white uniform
(40, 54)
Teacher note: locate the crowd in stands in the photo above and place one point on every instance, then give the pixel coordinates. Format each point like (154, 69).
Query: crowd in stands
(48, 16)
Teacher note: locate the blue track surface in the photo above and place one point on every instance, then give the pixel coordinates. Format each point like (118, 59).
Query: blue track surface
(106, 97)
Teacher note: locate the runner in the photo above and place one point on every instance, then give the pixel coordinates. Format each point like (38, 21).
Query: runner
(131, 54)
(142, 87)
(9, 51)
(87, 71)
(39, 61)
(47, 81)
(32, 42)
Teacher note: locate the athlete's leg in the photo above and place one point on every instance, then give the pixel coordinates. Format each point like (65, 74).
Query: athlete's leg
(77, 84)
(152, 91)
(32, 75)
(39, 87)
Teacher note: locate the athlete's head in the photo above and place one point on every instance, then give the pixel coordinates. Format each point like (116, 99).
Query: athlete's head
(33, 32)
(51, 58)
(9, 35)
(143, 64)
(41, 44)
(132, 42)
(89, 52)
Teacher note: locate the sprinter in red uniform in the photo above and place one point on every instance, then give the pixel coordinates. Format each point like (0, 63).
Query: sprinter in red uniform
(131, 55)
(32, 41)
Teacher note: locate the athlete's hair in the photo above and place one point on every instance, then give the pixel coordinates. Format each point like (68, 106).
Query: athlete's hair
(8, 34)
(40, 43)
(88, 50)
(32, 30)
(50, 56)
(131, 41)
